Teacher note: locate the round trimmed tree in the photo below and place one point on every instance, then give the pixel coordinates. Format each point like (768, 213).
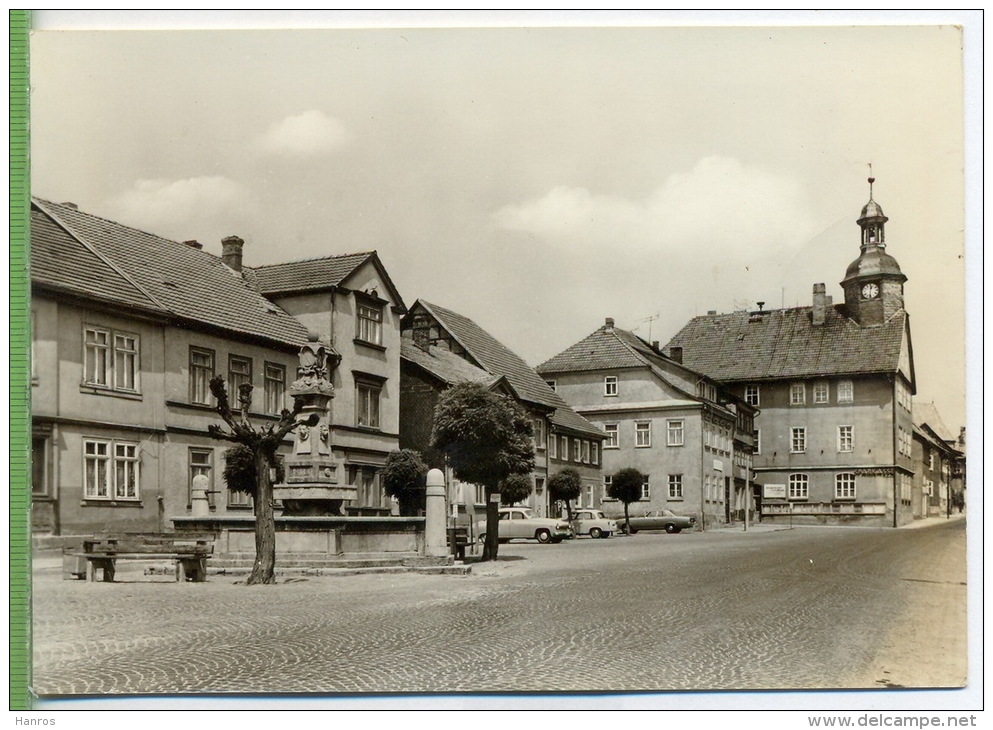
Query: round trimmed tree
(565, 485)
(626, 487)
(486, 438)
(403, 478)
(515, 488)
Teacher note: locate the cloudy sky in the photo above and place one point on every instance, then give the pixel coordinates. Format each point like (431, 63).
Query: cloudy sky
(535, 179)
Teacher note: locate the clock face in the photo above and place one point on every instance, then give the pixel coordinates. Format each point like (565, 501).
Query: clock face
(870, 291)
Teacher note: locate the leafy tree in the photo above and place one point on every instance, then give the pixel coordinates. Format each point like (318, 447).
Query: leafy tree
(515, 488)
(486, 438)
(626, 487)
(565, 485)
(261, 444)
(239, 470)
(403, 478)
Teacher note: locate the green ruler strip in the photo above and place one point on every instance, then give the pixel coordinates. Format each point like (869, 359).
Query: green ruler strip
(20, 384)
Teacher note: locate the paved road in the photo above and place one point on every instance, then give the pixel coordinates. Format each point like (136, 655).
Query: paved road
(813, 607)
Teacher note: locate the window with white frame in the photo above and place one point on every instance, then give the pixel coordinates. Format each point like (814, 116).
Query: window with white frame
(96, 359)
(905, 488)
(610, 385)
(588, 490)
(370, 323)
(821, 391)
(844, 486)
(846, 438)
(367, 396)
(798, 439)
(757, 437)
(564, 448)
(125, 362)
(845, 391)
(611, 430)
(905, 441)
(577, 451)
(110, 359)
(607, 481)
(646, 489)
(930, 461)
(275, 388)
(798, 394)
(553, 446)
(674, 432)
(539, 433)
(798, 486)
(201, 371)
(239, 373)
(201, 464)
(586, 451)
(643, 434)
(752, 395)
(595, 453)
(110, 470)
(675, 486)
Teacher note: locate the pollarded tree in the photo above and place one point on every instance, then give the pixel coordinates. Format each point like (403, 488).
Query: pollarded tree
(486, 438)
(626, 487)
(262, 445)
(515, 488)
(403, 478)
(239, 470)
(565, 485)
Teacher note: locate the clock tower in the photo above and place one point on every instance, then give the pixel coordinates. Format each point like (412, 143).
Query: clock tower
(873, 283)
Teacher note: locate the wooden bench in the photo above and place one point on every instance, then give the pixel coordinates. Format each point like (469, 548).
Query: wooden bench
(188, 552)
(458, 540)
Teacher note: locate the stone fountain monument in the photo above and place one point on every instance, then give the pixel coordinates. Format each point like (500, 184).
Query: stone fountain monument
(315, 481)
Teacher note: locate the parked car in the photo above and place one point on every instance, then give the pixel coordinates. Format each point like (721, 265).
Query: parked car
(520, 523)
(592, 522)
(659, 519)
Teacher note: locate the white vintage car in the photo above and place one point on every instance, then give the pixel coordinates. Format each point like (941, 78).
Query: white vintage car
(592, 522)
(520, 523)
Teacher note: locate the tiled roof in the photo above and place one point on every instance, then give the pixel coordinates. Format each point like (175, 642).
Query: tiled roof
(927, 413)
(605, 349)
(497, 359)
(59, 261)
(443, 364)
(610, 348)
(783, 343)
(189, 283)
(308, 274)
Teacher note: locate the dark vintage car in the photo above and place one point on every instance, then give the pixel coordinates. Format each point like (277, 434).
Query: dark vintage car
(659, 519)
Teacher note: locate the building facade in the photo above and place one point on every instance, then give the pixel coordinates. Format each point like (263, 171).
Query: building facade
(350, 303)
(441, 348)
(690, 440)
(834, 385)
(127, 330)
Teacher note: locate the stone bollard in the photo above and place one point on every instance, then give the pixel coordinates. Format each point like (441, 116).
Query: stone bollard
(435, 541)
(198, 497)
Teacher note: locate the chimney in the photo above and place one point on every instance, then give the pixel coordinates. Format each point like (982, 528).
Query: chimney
(761, 304)
(231, 252)
(711, 312)
(676, 353)
(193, 243)
(820, 305)
(609, 322)
(655, 345)
(422, 331)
